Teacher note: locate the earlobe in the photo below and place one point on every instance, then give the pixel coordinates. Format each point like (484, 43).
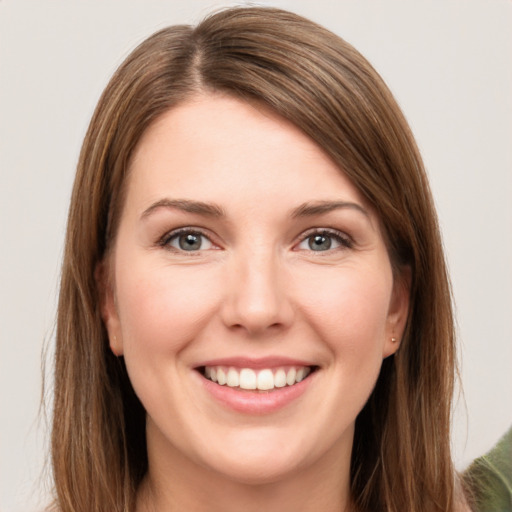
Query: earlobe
(391, 346)
(108, 307)
(398, 312)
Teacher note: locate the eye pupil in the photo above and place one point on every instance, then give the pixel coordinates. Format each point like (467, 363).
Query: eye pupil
(320, 243)
(190, 242)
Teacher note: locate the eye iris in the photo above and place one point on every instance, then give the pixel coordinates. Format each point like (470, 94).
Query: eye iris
(190, 242)
(320, 243)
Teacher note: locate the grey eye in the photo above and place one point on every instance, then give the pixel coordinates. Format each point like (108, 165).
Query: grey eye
(324, 240)
(190, 241)
(320, 242)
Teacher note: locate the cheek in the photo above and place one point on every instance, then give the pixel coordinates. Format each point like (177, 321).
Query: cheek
(349, 312)
(349, 307)
(162, 308)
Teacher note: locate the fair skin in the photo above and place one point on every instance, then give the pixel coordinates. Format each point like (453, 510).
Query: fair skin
(279, 267)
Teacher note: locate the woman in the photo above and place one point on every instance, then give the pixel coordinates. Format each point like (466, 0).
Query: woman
(254, 309)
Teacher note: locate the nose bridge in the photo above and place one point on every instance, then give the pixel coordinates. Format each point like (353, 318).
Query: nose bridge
(257, 298)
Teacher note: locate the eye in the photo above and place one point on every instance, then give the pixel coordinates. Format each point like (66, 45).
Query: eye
(324, 241)
(187, 240)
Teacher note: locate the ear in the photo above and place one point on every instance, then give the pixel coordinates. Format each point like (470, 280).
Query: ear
(398, 311)
(108, 306)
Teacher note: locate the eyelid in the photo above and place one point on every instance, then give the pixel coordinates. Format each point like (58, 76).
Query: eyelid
(164, 240)
(345, 240)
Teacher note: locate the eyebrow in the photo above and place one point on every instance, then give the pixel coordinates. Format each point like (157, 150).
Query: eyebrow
(320, 207)
(186, 205)
(308, 209)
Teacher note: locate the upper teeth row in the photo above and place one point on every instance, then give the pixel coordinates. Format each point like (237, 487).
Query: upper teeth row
(247, 378)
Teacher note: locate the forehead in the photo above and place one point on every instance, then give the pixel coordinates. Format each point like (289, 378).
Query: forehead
(219, 148)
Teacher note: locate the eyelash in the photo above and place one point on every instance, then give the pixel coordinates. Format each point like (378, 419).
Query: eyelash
(344, 240)
(166, 239)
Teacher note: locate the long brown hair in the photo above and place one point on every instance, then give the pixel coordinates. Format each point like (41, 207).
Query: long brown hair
(401, 456)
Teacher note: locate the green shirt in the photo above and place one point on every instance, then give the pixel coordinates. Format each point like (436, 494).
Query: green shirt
(489, 478)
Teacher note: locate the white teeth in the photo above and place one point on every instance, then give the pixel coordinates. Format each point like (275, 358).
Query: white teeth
(248, 379)
(290, 376)
(233, 378)
(280, 378)
(264, 380)
(221, 377)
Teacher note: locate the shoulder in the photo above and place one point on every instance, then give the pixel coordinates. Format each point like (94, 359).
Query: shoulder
(488, 480)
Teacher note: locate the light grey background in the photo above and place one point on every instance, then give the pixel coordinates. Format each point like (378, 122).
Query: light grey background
(448, 63)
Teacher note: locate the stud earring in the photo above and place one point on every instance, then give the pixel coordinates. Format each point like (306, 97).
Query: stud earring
(393, 340)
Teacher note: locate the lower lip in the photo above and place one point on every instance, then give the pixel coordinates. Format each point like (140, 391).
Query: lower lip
(257, 402)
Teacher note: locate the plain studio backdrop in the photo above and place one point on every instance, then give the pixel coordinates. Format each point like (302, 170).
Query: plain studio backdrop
(449, 64)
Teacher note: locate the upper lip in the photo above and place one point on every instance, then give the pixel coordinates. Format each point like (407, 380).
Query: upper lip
(256, 363)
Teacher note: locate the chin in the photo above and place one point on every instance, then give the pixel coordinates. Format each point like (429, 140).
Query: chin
(259, 457)
(257, 472)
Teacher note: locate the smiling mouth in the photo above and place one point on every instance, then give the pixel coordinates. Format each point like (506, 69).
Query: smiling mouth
(265, 379)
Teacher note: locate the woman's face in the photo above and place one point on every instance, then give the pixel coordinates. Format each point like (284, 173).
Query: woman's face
(245, 256)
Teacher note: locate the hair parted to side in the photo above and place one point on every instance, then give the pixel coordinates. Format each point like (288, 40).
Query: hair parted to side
(401, 456)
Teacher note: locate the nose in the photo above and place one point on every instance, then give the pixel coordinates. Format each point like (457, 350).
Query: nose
(257, 300)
